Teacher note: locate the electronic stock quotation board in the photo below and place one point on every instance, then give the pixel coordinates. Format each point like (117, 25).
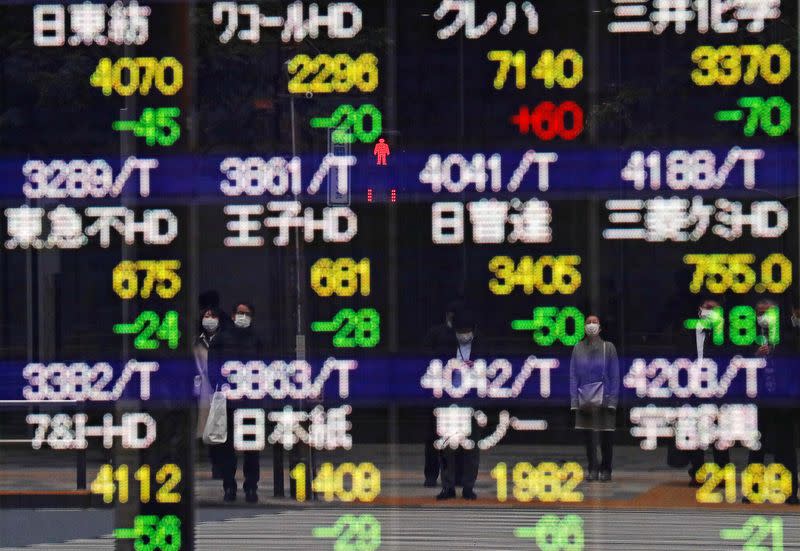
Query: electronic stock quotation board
(349, 169)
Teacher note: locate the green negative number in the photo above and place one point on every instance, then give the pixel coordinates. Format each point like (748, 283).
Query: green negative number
(361, 328)
(361, 533)
(350, 123)
(352, 533)
(153, 534)
(555, 534)
(755, 531)
(763, 112)
(550, 325)
(150, 329)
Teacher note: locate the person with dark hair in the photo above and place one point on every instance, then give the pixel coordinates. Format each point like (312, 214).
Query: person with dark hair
(465, 347)
(209, 331)
(240, 343)
(594, 392)
(777, 424)
(438, 340)
(241, 337)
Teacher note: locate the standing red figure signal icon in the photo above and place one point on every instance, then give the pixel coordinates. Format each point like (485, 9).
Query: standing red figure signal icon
(381, 151)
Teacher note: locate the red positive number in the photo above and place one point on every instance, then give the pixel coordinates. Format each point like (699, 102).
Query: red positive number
(548, 120)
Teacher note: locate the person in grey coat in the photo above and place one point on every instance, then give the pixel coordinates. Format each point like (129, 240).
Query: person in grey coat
(594, 392)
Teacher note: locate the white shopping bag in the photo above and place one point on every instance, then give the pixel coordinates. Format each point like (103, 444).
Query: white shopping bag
(203, 406)
(216, 431)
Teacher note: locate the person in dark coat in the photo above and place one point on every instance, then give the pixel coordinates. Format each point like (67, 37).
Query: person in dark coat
(595, 361)
(777, 424)
(465, 347)
(705, 348)
(237, 342)
(439, 338)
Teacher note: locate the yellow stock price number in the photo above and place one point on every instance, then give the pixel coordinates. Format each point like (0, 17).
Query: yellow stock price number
(161, 274)
(564, 69)
(760, 484)
(341, 277)
(719, 273)
(546, 275)
(111, 482)
(364, 482)
(726, 65)
(339, 73)
(131, 75)
(546, 482)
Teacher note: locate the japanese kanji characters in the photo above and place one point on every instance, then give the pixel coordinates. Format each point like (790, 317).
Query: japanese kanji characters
(454, 427)
(678, 219)
(91, 23)
(697, 427)
(718, 16)
(319, 428)
(338, 224)
(25, 226)
(530, 221)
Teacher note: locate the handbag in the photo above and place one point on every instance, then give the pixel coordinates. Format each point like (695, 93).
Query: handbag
(204, 392)
(216, 430)
(590, 395)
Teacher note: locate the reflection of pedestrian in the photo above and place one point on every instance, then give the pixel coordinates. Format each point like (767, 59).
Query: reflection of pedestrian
(594, 390)
(238, 342)
(464, 347)
(702, 337)
(205, 345)
(777, 425)
(438, 341)
(381, 151)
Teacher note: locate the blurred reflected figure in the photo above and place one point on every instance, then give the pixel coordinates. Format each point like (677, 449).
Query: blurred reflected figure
(464, 347)
(594, 392)
(237, 342)
(777, 424)
(439, 342)
(710, 314)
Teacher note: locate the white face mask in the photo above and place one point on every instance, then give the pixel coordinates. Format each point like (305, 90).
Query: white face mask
(241, 321)
(705, 313)
(210, 324)
(795, 321)
(464, 338)
(592, 329)
(763, 321)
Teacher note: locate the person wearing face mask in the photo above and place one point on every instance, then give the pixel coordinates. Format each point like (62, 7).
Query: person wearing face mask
(239, 342)
(438, 340)
(466, 347)
(709, 313)
(207, 338)
(241, 337)
(594, 392)
(777, 424)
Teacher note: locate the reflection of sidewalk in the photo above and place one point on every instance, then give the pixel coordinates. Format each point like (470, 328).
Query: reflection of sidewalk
(641, 479)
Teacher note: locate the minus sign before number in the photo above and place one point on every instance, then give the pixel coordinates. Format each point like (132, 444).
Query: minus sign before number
(729, 115)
